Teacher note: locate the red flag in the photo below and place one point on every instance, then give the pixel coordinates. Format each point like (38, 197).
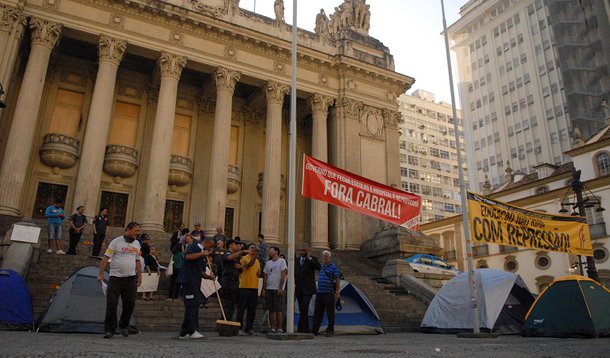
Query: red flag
(324, 182)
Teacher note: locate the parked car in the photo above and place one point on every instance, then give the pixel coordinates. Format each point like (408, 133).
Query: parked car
(431, 264)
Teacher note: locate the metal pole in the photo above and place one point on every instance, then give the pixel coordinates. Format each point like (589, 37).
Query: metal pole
(292, 174)
(466, 223)
(577, 187)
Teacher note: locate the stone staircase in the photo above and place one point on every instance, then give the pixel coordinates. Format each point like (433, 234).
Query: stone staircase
(398, 310)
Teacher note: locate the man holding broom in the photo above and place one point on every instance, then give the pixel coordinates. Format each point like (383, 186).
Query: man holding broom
(191, 273)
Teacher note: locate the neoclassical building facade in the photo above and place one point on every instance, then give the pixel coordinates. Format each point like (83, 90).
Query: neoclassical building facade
(177, 111)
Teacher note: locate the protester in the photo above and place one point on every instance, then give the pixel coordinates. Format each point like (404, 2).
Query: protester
(262, 248)
(124, 278)
(54, 215)
(305, 284)
(151, 268)
(178, 261)
(220, 235)
(218, 252)
(78, 223)
(197, 232)
(231, 268)
(329, 285)
(190, 279)
(176, 237)
(100, 223)
(274, 282)
(248, 289)
(144, 240)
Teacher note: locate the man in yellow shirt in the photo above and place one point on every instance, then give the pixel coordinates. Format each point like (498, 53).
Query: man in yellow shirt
(248, 289)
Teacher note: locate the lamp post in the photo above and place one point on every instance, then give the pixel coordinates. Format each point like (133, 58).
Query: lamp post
(577, 187)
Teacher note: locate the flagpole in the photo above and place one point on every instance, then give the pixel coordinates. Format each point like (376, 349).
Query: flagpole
(466, 223)
(292, 174)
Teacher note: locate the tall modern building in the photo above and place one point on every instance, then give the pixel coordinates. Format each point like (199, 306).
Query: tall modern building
(513, 100)
(582, 35)
(428, 154)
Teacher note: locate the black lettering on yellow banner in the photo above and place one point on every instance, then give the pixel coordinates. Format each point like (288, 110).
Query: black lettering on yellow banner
(495, 222)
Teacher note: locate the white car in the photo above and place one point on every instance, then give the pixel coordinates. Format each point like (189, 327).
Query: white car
(431, 264)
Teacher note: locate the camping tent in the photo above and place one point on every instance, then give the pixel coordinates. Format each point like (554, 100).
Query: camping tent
(79, 306)
(502, 301)
(357, 316)
(570, 306)
(15, 302)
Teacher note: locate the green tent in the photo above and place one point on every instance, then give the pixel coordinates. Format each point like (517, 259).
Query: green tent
(572, 306)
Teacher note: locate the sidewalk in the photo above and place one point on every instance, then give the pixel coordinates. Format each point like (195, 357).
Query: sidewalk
(165, 344)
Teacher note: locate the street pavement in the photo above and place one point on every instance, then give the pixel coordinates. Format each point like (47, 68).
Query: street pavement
(166, 344)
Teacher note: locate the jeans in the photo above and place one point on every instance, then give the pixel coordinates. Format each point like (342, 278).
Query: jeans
(248, 298)
(324, 302)
(125, 288)
(74, 239)
(98, 240)
(174, 286)
(54, 231)
(230, 297)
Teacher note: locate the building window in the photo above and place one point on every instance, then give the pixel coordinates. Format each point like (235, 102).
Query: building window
(482, 264)
(124, 126)
(602, 161)
(600, 254)
(67, 113)
(511, 264)
(542, 261)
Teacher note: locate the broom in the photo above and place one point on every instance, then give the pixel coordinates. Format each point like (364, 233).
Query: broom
(223, 327)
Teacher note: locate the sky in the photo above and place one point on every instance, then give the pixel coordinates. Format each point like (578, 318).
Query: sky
(411, 29)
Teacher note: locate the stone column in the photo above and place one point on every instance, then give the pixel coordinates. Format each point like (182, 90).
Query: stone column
(155, 189)
(94, 144)
(12, 24)
(272, 175)
(319, 150)
(219, 162)
(21, 136)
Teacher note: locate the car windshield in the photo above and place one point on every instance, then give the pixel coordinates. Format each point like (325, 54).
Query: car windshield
(441, 263)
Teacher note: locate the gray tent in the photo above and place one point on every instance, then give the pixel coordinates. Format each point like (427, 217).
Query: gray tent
(503, 300)
(79, 306)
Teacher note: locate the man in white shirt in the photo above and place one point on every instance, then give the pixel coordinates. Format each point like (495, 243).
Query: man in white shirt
(125, 278)
(274, 288)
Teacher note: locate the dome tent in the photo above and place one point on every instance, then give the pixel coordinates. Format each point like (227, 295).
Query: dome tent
(16, 311)
(502, 301)
(571, 306)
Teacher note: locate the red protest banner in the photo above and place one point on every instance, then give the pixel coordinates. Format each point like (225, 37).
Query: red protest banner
(324, 182)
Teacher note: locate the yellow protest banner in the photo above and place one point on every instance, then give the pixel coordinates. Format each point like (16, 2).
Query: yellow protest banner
(495, 222)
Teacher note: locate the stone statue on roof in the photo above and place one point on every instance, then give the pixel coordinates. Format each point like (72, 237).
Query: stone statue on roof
(351, 14)
(322, 23)
(278, 8)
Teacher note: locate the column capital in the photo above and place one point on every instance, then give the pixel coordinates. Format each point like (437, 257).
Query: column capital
(319, 103)
(171, 65)
(391, 118)
(206, 104)
(10, 16)
(275, 92)
(45, 33)
(111, 49)
(226, 79)
(351, 107)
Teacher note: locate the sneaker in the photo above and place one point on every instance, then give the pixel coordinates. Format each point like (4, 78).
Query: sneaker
(242, 333)
(60, 252)
(272, 331)
(125, 332)
(49, 251)
(108, 335)
(280, 331)
(186, 336)
(196, 335)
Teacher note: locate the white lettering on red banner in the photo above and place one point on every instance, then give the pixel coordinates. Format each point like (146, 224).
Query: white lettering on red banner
(324, 182)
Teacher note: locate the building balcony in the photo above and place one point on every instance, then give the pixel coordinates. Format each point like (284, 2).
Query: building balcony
(59, 151)
(259, 185)
(180, 171)
(234, 179)
(120, 162)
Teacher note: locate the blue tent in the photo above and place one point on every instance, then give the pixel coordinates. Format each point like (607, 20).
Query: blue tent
(358, 316)
(16, 311)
